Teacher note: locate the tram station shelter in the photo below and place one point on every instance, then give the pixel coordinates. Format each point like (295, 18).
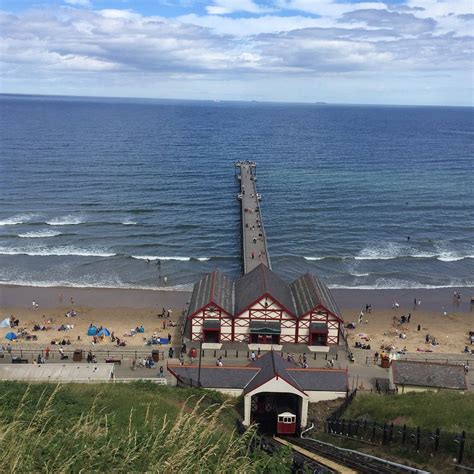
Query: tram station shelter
(262, 308)
(270, 385)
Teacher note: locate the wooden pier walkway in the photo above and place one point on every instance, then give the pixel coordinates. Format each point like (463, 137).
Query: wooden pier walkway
(254, 241)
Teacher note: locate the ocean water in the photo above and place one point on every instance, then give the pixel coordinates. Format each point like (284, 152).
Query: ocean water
(92, 188)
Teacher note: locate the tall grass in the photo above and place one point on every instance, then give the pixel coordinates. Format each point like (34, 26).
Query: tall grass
(450, 411)
(37, 437)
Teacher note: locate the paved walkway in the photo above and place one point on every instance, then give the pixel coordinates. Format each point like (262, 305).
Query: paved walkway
(254, 243)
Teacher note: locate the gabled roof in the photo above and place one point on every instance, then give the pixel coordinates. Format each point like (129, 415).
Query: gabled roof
(327, 380)
(214, 288)
(271, 365)
(428, 374)
(260, 281)
(215, 377)
(310, 292)
(256, 374)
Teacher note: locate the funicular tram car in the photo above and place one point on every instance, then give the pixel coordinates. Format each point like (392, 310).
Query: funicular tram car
(286, 422)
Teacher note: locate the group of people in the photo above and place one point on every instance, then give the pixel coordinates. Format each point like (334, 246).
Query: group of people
(14, 322)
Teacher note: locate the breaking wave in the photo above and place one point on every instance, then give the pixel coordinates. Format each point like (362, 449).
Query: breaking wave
(179, 259)
(65, 220)
(40, 234)
(56, 252)
(17, 219)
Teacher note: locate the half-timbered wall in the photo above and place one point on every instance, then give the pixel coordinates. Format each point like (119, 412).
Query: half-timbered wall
(319, 316)
(265, 310)
(213, 313)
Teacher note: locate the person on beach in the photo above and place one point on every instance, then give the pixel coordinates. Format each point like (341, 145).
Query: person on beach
(169, 337)
(165, 279)
(72, 301)
(253, 356)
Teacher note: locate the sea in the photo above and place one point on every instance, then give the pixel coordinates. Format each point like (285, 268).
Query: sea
(125, 192)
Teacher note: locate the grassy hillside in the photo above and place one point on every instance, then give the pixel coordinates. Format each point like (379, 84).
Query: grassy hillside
(122, 428)
(450, 411)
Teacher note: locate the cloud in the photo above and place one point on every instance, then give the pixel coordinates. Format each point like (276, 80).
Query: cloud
(401, 22)
(326, 39)
(79, 3)
(224, 7)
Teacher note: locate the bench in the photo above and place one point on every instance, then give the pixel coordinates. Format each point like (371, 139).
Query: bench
(17, 360)
(113, 361)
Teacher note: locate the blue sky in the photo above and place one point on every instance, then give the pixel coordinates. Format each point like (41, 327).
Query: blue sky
(344, 51)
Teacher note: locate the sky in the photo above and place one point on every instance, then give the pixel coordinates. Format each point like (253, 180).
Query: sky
(416, 52)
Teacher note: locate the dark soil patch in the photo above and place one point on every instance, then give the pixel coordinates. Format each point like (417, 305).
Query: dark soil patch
(318, 412)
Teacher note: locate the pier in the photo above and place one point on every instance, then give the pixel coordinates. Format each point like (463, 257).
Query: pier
(254, 240)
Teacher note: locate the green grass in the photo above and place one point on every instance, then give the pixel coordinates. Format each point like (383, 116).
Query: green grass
(123, 428)
(450, 411)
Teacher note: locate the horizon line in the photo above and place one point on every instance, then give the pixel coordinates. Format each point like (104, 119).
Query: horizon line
(246, 101)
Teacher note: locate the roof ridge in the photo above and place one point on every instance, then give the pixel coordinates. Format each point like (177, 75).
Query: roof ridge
(211, 291)
(264, 278)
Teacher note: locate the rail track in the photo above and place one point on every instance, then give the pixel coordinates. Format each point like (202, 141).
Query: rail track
(302, 463)
(355, 460)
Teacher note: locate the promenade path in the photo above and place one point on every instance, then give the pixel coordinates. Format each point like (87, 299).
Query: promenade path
(254, 241)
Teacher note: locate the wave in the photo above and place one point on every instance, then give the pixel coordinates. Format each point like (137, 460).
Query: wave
(395, 284)
(443, 257)
(40, 234)
(65, 220)
(94, 284)
(17, 219)
(179, 259)
(128, 222)
(56, 252)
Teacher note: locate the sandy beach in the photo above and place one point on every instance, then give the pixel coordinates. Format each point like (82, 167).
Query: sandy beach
(118, 310)
(121, 310)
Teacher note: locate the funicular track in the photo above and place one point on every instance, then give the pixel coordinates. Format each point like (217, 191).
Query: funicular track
(357, 461)
(301, 462)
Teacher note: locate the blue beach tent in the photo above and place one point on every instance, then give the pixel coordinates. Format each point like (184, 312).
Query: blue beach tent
(11, 336)
(104, 332)
(92, 331)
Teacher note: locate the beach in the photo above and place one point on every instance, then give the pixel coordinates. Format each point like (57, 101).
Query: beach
(121, 310)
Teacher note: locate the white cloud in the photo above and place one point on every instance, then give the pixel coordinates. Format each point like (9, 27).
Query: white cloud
(79, 3)
(122, 48)
(224, 7)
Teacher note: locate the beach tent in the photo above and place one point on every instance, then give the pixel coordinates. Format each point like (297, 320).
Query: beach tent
(104, 332)
(11, 336)
(5, 323)
(92, 331)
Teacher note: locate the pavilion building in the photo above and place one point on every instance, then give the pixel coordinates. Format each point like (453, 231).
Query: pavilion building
(262, 308)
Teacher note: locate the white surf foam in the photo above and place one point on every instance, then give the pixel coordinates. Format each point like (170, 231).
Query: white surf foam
(177, 258)
(93, 284)
(66, 220)
(128, 222)
(40, 234)
(314, 258)
(17, 219)
(56, 252)
(452, 257)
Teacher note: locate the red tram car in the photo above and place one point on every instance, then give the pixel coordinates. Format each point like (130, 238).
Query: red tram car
(286, 423)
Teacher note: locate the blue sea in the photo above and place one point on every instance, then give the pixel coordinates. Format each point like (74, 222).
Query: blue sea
(120, 193)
